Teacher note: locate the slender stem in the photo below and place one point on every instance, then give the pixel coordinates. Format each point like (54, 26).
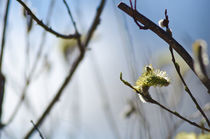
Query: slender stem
(176, 65)
(4, 33)
(38, 21)
(71, 72)
(75, 26)
(164, 35)
(2, 77)
(40, 134)
(186, 87)
(34, 66)
(95, 23)
(151, 100)
(70, 15)
(178, 115)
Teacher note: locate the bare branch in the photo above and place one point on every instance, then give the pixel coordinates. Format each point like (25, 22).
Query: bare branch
(176, 65)
(95, 23)
(34, 66)
(71, 72)
(38, 21)
(151, 100)
(40, 134)
(164, 35)
(2, 77)
(4, 33)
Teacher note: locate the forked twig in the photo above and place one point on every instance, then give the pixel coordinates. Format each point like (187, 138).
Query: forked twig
(151, 100)
(164, 35)
(177, 67)
(40, 134)
(34, 66)
(72, 70)
(40, 22)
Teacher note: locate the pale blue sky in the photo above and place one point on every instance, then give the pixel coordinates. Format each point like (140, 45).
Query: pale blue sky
(189, 20)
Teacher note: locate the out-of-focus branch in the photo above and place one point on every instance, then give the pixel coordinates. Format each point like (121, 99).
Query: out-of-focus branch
(72, 70)
(40, 22)
(34, 66)
(164, 35)
(40, 134)
(2, 78)
(75, 27)
(152, 101)
(4, 33)
(95, 23)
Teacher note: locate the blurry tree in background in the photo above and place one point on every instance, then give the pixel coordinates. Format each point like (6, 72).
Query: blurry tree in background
(60, 63)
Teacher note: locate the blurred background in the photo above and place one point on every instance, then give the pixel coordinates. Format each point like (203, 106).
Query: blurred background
(96, 104)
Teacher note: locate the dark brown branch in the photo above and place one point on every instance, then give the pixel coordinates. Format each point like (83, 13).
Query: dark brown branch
(70, 15)
(38, 21)
(186, 87)
(2, 86)
(178, 115)
(71, 72)
(2, 77)
(4, 33)
(176, 65)
(40, 134)
(75, 27)
(95, 23)
(164, 35)
(151, 100)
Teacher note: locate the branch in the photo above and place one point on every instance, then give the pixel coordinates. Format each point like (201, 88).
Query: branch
(192, 116)
(34, 67)
(186, 87)
(176, 65)
(40, 134)
(151, 100)
(4, 33)
(164, 35)
(2, 86)
(71, 73)
(95, 23)
(81, 48)
(39, 22)
(2, 78)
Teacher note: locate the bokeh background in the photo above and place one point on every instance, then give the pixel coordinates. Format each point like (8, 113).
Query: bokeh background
(95, 103)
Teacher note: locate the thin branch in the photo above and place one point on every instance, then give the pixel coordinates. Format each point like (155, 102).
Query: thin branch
(4, 33)
(180, 122)
(186, 87)
(34, 66)
(2, 86)
(75, 27)
(40, 134)
(71, 72)
(70, 15)
(2, 77)
(151, 100)
(178, 115)
(58, 94)
(95, 23)
(38, 21)
(176, 65)
(164, 35)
